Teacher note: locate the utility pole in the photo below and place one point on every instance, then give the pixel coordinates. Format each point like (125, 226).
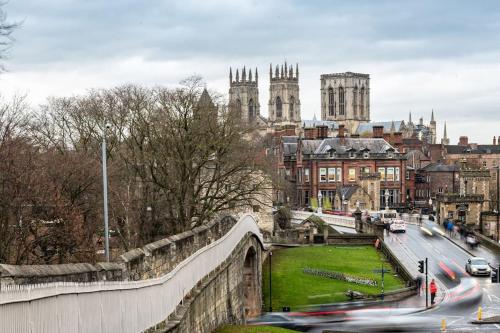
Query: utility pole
(105, 193)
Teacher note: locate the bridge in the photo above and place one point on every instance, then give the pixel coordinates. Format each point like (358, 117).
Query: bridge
(193, 282)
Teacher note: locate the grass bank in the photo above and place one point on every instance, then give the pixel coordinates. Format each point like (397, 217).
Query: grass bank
(292, 287)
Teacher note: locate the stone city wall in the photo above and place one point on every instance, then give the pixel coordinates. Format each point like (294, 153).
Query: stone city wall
(150, 261)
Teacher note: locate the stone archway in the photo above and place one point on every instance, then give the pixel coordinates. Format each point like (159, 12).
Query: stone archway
(251, 303)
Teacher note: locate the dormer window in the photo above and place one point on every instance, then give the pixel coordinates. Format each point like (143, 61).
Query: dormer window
(390, 152)
(331, 152)
(366, 152)
(352, 152)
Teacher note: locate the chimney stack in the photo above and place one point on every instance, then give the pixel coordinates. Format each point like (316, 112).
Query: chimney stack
(378, 132)
(322, 132)
(341, 133)
(463, 141)
(309, 133)
(398, 138)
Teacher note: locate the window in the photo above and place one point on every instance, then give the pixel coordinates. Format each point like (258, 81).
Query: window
(390, 174)
(331, 102)
(390, 154)
(396, 173)
(440, 190)
(251, 110)
(279, 108)
(382, 173)
(322, 175)
(306, 175)
(407, 175)
(341, 101)
(339, 174)
(352, 175)
(292, 104)
(362, 101)
(355, 101)
(331, 174)
(352, 154)
(331, 152)
(485, 164)
(366, 170)
(306, 198)
(238, 107)
(366, 154)
(392, 199)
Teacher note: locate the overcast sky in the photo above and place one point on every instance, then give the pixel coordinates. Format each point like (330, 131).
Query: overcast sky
(421, 55)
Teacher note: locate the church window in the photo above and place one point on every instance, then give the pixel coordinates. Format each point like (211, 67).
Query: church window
(279, 108)
(355, 101)
(331, 102)
(251, 110)
(238, 106)
(341, 101)
(292, 104)
(362, 101)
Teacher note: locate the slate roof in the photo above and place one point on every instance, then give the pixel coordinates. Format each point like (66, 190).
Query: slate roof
(481, 149)
(439, 167)
(310, 146)
(368, 127)
(377, 146)
(289, 149)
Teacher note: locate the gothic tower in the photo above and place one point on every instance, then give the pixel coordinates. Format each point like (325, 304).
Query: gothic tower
(244, 94)
(445, 141)
(432, 127)
(284, 101)
(345, 98)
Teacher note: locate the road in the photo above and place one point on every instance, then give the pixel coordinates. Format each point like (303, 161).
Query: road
(414, 245)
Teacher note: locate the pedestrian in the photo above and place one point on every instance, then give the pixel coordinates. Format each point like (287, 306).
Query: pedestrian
(433, 289)
(418, 283)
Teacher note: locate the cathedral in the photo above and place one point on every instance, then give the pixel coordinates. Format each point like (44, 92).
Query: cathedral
(345, 101)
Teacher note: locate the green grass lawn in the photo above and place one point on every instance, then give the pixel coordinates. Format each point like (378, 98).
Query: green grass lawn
(252, 329)
(291, 287)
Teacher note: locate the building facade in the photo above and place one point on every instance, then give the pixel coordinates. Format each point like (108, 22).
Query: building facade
(244, 94)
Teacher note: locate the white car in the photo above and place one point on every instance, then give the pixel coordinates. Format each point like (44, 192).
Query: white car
(477, 266)
(398, 226)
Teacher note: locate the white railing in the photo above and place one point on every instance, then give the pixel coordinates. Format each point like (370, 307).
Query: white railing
(125, 306)
(342, 221)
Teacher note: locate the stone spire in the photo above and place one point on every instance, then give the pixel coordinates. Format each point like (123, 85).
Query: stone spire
(393, 127)
(291, 72)
(409, 119)
(297, 71)
(243, 74)
(256, 76)
(250, 75)
(432, 116)
(277, 72)
(281, 71)
(286, 71)
(445, 140)
(270, 71)
(230, 75)
(237, 75)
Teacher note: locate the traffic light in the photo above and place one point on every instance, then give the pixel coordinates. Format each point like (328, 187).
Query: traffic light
(421, 266)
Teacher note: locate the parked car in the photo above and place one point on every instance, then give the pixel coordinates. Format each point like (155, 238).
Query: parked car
(398, 226)
(478, 266)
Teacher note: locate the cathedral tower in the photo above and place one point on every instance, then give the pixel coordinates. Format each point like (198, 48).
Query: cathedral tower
(284, 101)
(345, 98)
(244, 94)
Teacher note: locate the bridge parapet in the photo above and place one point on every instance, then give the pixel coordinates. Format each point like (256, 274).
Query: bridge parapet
(151, 261)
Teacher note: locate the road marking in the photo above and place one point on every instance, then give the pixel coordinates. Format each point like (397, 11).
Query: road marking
(497, 326)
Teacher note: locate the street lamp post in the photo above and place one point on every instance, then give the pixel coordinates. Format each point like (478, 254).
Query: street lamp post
(270, 283)
(386, 195)
(105, 194)
(498, 200)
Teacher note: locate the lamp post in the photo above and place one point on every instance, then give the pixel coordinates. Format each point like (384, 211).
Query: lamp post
(386, 195)
(344, 208)
(498, 200)
(105, 193)
(320, 201)
(270, 283)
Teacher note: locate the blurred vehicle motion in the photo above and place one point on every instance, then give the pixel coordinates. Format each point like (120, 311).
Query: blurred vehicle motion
(431, 229)
(283, 320)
